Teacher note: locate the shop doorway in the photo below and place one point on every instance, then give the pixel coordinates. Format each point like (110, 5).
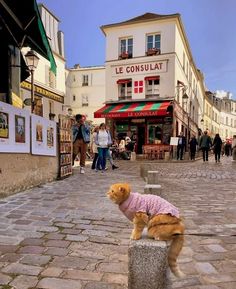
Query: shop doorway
(140, 139)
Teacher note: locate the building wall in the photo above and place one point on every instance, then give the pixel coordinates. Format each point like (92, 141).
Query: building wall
(43, 76)
(86, 99)
(21, 171)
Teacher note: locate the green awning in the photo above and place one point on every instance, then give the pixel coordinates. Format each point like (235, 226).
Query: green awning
(22, 21)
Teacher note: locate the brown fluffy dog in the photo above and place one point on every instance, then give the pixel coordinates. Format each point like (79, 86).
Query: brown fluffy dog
(160, 217)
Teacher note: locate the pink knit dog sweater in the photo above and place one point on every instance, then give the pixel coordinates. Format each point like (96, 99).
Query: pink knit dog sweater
(150, 204)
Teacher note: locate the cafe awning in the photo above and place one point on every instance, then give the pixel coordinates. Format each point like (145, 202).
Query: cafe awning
(157, 77)
(126, 80)
(135, 109)
(22, 21)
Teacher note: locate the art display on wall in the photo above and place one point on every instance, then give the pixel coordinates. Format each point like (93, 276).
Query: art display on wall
(19, 129)
(4, 133)
(14, 129)
(43, 136)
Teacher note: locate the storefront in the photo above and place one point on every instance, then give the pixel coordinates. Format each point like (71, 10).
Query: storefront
(147, 123)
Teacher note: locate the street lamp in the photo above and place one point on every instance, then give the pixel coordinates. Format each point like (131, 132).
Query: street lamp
(185, 101)
(32, 60)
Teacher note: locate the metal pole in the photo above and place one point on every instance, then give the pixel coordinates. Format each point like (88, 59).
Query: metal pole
(32, 91)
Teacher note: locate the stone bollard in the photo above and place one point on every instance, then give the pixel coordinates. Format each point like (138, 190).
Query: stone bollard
(167, 156)
(133, 156)
(152, 189)
(147, 264)
(152, 177)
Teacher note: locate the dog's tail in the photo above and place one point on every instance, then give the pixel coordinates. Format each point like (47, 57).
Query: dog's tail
(174, 250)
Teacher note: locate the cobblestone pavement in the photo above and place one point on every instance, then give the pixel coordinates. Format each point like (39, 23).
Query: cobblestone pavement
(68, 235)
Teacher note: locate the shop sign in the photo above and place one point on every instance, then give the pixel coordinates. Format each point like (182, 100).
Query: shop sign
(140, 68)
(43, 92)
(138, 120)
(130, 114)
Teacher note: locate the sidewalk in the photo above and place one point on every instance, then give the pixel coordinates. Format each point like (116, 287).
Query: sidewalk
(68, 235)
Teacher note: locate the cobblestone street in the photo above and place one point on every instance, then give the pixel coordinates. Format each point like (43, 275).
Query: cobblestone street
(68, 235)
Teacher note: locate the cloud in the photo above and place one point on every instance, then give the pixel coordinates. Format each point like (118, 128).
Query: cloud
(223, 93)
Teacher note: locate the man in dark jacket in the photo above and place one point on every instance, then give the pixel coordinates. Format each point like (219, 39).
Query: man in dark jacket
(81, 138)
(205, 143)
(181, 146)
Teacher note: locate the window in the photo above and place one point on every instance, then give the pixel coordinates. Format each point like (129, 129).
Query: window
(154, 133)
(84, 80)
(154, 41)
(85, 100)
(153, 44)
(126, 48)
(152, 87)
(125, 90)
(74, 97)
(226, 121)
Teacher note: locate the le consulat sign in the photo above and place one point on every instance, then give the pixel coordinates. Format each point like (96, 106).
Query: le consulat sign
(140, 68)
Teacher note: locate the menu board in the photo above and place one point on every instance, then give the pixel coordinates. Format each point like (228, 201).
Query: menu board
(65, 146)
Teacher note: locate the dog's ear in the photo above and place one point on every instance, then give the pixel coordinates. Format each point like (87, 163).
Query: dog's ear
(125, 188)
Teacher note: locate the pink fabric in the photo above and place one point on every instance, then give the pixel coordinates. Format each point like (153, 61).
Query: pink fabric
(150, 204)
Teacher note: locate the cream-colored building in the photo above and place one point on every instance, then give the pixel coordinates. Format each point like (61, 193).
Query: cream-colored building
(149, 67)
(85, 90)
(228, 118)
(49, 87)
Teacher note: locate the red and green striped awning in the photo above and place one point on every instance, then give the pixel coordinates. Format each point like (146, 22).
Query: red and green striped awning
(135, 109)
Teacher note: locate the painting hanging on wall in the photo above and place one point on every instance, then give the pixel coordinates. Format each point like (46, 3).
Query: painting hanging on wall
(14, 129)
(19, 129)
(4, 125)
(43, 140)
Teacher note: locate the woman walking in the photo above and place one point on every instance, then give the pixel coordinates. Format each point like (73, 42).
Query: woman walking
(103, 140)
(217, 144)
(94, 149)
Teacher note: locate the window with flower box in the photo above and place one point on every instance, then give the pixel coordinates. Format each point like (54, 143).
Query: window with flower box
(152, 86)
(124, 89)
(153, 44)
(126, 48)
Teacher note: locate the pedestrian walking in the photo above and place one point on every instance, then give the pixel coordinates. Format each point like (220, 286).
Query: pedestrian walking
(94, 149)
(109, 155)
(234, 147)
(217, 144)
(193, 147)
(103, 140)
(205, 143)
(228, 148)
(81, 139)
(181, 146)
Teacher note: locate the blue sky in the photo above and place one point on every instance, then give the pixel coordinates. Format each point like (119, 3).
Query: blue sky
(210, 26)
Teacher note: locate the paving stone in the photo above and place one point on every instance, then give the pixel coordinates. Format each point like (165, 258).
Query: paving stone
(76, 238)
(4, 279)
(52, 272)
(205, 268)
(113, 267)
(100, 285)
(54, 236)
(216, 248)
(53, 251)
(56, 283)
(10, 257)
(57, 243)
(82, 275)
(69, 262)
(17, 268)
(31, 250)
(24, 282)
(115, 278)
(35, 260)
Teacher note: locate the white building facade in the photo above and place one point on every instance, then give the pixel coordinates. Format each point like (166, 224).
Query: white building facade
(149, 67)
(85, 90)
(49, 90)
